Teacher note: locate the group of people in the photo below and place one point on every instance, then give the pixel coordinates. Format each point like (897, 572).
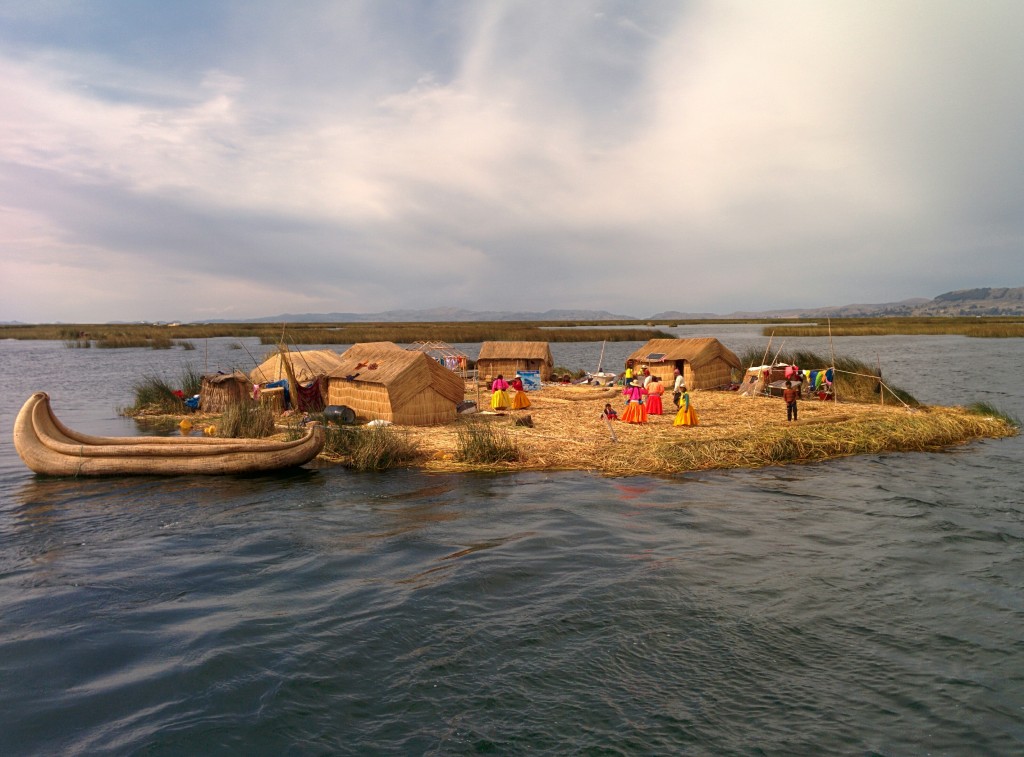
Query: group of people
(500, 399)
(644, 397)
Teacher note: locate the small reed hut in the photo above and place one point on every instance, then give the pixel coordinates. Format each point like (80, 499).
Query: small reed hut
(508, 357)
(310, 369)
(391, 384)
(704, 362)
(307, 365)
(219, 391)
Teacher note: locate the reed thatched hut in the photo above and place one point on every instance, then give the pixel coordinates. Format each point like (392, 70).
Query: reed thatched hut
(508, 357)
(402, 386)
(307, 365)
(705, 362)
(309, 369)
(219, 391)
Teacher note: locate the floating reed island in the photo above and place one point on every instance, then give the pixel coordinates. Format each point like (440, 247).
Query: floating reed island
(564, 429)
(568, 432)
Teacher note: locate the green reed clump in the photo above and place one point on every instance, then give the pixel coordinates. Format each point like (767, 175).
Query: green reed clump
(478, 441)
(153, 394)
(190, 380)
(575, 373)
(988, 410)
(246, 420)
(370, 448)
(185, 344)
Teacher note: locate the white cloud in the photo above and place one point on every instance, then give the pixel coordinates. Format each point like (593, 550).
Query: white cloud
(494, 154)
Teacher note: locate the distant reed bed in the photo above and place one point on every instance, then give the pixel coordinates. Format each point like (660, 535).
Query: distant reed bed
(455, 333)
(164, 337)
(992, 328)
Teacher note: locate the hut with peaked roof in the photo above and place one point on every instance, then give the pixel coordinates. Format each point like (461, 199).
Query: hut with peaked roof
(219, 391)
(307, 365)
(704, 362)
(310, 369)
(405, 387)
(508, 357)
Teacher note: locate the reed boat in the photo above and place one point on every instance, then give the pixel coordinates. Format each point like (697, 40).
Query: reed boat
(49, 447)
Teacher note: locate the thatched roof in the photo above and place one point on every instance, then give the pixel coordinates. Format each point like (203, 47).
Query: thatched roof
(307, 364)
(515, 351)
(362, 350)
(697, 352)
(402, 372)
(221, 378)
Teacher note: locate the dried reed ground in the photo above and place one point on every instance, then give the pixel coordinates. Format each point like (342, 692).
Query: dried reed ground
(735, 431)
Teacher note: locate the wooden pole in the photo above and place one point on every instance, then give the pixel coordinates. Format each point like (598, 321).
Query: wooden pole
(293, 384)
(881, 392)
(832, 349)
(611, 430)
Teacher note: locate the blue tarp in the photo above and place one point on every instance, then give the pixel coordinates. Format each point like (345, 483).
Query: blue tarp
(287, 394)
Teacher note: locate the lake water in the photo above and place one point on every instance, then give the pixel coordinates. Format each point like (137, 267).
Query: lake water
(870, 605)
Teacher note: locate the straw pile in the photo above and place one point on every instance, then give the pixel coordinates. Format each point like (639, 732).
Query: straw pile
(569, 433)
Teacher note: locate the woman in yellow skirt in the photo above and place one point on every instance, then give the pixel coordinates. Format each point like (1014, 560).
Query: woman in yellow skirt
(499, 394)
(520, 401)
(686, 415)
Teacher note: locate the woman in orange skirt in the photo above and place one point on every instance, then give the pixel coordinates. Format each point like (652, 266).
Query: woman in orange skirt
(520, 401)
(635, 411)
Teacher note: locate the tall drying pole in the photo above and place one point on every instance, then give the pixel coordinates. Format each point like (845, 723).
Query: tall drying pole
(881, 392)
(835, 375)
(768, 347)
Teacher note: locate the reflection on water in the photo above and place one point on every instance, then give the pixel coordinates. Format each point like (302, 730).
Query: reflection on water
(866, 605)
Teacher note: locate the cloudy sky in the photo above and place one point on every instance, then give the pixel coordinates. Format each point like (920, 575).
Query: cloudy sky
(226, 159)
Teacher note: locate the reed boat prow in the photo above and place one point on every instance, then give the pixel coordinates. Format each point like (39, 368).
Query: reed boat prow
(49, 447)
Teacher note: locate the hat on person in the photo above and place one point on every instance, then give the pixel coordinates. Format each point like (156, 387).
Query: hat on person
(634, 382)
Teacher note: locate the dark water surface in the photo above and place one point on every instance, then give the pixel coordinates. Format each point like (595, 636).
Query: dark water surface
(870, 605)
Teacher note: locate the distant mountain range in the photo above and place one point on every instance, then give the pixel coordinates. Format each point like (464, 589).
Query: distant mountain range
(962, 302)
(987, 301)
(444, 315)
